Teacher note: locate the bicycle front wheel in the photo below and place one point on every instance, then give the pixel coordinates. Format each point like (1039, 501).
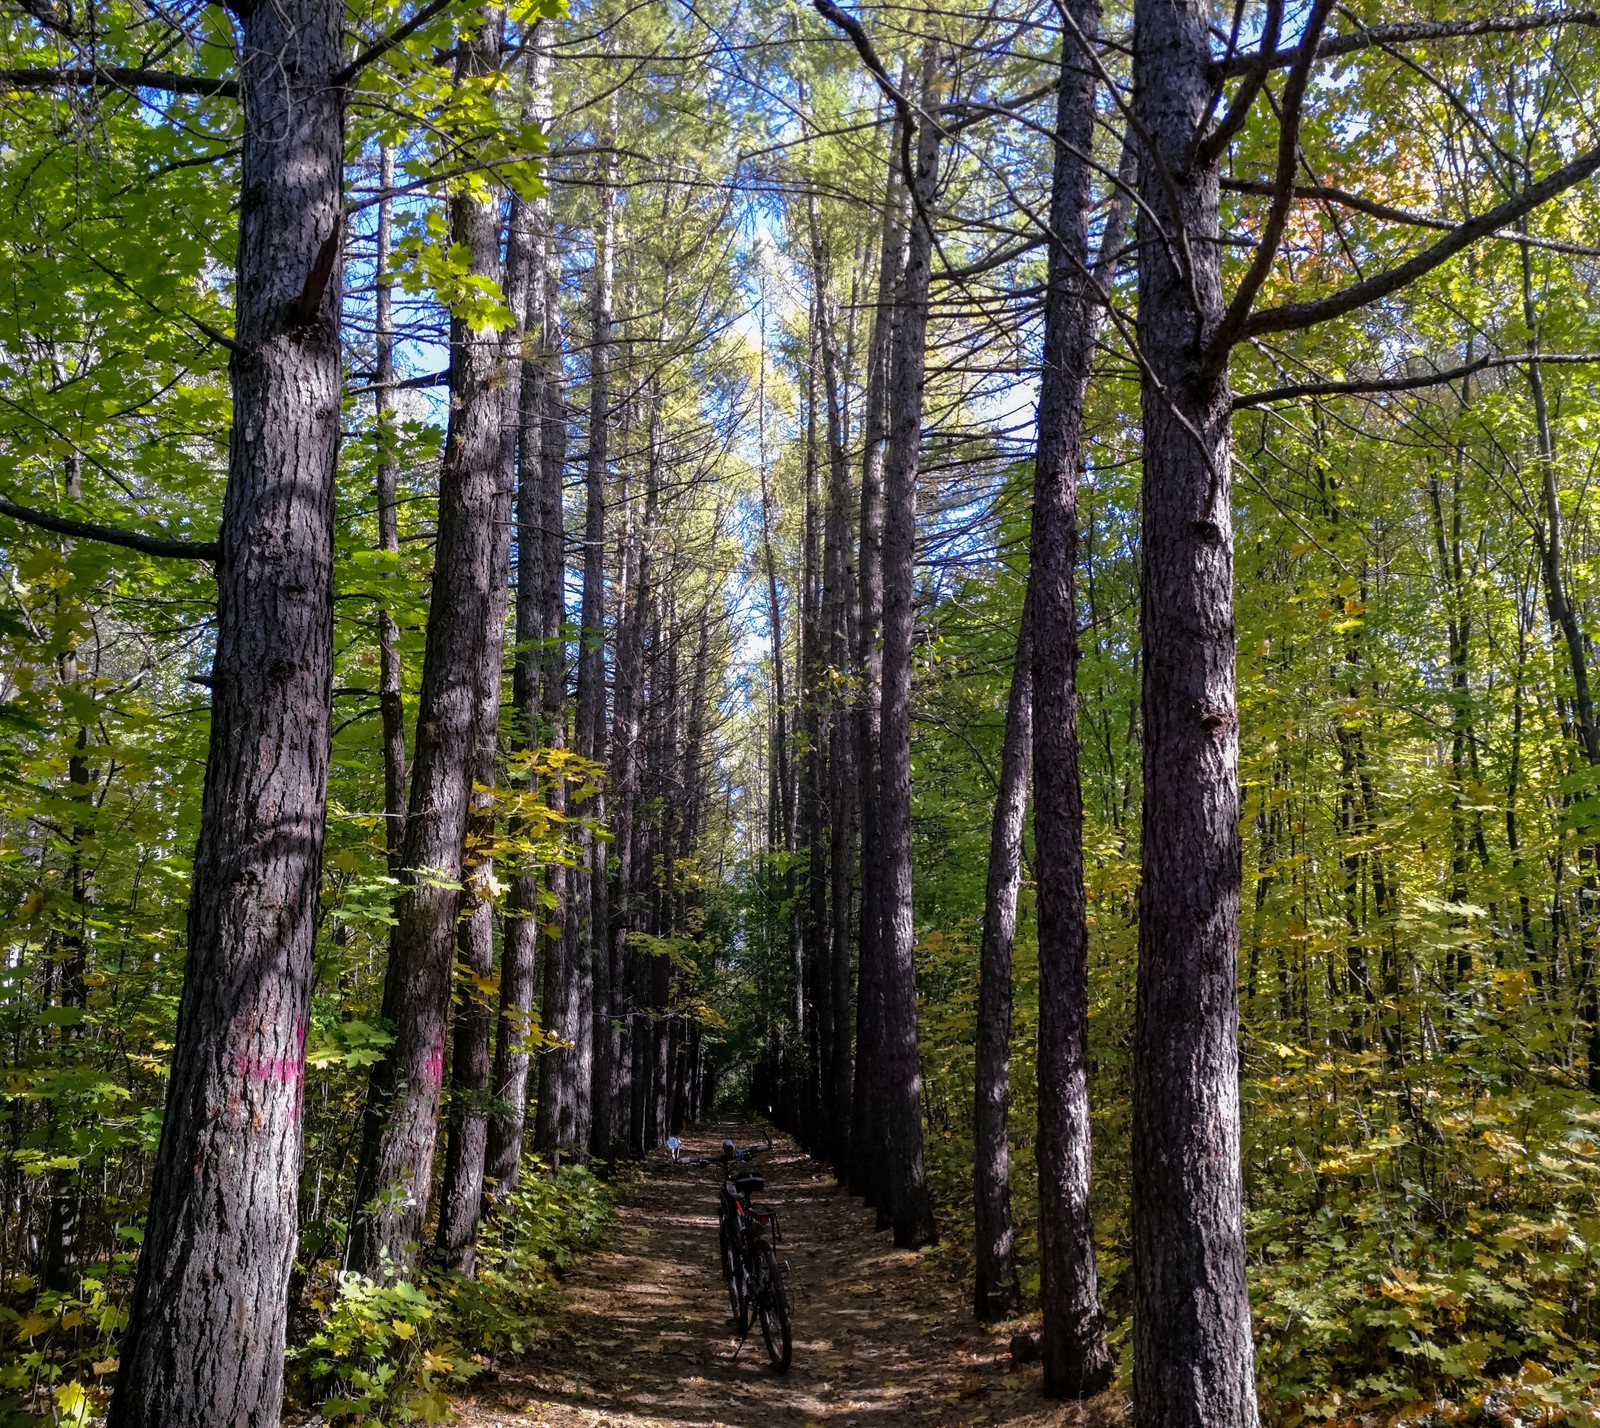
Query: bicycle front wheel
(734, 1273)
(772, 1308)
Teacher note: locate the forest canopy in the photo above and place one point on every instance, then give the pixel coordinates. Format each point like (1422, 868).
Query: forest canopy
(1011, 588)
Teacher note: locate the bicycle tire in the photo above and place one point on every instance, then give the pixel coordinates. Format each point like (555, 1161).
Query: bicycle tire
(772, 1309)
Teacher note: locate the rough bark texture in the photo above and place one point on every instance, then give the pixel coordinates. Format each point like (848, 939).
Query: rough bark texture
(527, 247)
(591, 1031)
(900, 1073)
(401, 1122)
(1077, 1362)
(995, 1290)
(867, 1162)
(466, 1149)
(838, 619)
(556, 1068)
(1194, 1366)
(205, 1341)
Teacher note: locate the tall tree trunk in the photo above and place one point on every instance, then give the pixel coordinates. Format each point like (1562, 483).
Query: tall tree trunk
(461, 1198)
(72, 992)
(557, 1068)
(629, 1131)
(838, 602)
(1192, 1343)
(592, 1122)
(400, 1127)
(1564, 616)
(814, 937)
(205, 1339)
(1077, 1362)
(995, 1290)
(910, 1209)
(461, 1194)
(868, 1164)
(391, 704)
(526, 257)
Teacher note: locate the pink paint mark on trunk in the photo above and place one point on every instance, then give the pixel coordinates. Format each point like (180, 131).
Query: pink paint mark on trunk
(283, 1070)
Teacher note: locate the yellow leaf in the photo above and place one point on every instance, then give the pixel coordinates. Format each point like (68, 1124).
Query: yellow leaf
(403, 1329)
(34, 1324)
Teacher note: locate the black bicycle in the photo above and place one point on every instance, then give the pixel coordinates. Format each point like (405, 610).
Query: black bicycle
(749, 1235)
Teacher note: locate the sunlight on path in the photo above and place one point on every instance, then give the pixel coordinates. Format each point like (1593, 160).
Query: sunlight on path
(881, 1336)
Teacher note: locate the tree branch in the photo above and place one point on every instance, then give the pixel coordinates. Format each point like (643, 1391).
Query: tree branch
(1377, 385)
(114, 77)
(1211, 145)
(110, 535)
(1327, 193)
(1244, 296)
(1293, 316)
(377, 51)
(1411, 32)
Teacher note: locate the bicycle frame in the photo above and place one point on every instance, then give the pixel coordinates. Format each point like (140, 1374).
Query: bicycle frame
(749, 1234)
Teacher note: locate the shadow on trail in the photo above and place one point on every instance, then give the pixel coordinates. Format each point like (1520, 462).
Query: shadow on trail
(644, 1334)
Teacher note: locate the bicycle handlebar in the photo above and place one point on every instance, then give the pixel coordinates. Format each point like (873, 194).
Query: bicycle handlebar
(728, 1156)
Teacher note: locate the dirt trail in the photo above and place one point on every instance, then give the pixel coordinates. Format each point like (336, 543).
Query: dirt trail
(882, 1337)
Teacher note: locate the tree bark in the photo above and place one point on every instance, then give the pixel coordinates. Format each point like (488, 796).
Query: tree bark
(591, 1122)
(910, 1209)
(205, 1339)
(995, 1290)
(838, 612)
(526, 256)
(1192, 1345)
(557, 1068)
(1077, 1362)
(400, 1127)
(867, 1164)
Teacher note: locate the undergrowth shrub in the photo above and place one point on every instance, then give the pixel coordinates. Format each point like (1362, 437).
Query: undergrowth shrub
(385, 1351)
(363, 1352)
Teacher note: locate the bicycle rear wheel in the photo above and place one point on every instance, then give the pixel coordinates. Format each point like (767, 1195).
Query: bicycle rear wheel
(772, 1308)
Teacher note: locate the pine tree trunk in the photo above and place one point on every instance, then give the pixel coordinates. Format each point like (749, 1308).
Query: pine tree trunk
(868, 1164)
(557, 1069)
(466, 1145)
(900, 1071)
(393, 1179)
(838, 604)
(592, 1113)
(1077, 1362)
(526, 258)
(1192, 1342)
(995, 1289)
(461, 1198)
(205, 1339)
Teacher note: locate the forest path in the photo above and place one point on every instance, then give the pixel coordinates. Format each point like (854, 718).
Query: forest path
(881, 1337)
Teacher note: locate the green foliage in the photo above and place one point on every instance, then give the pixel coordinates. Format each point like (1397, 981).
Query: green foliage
(392, 1351)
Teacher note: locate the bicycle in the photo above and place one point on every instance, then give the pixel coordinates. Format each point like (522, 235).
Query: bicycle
(748, 1236)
